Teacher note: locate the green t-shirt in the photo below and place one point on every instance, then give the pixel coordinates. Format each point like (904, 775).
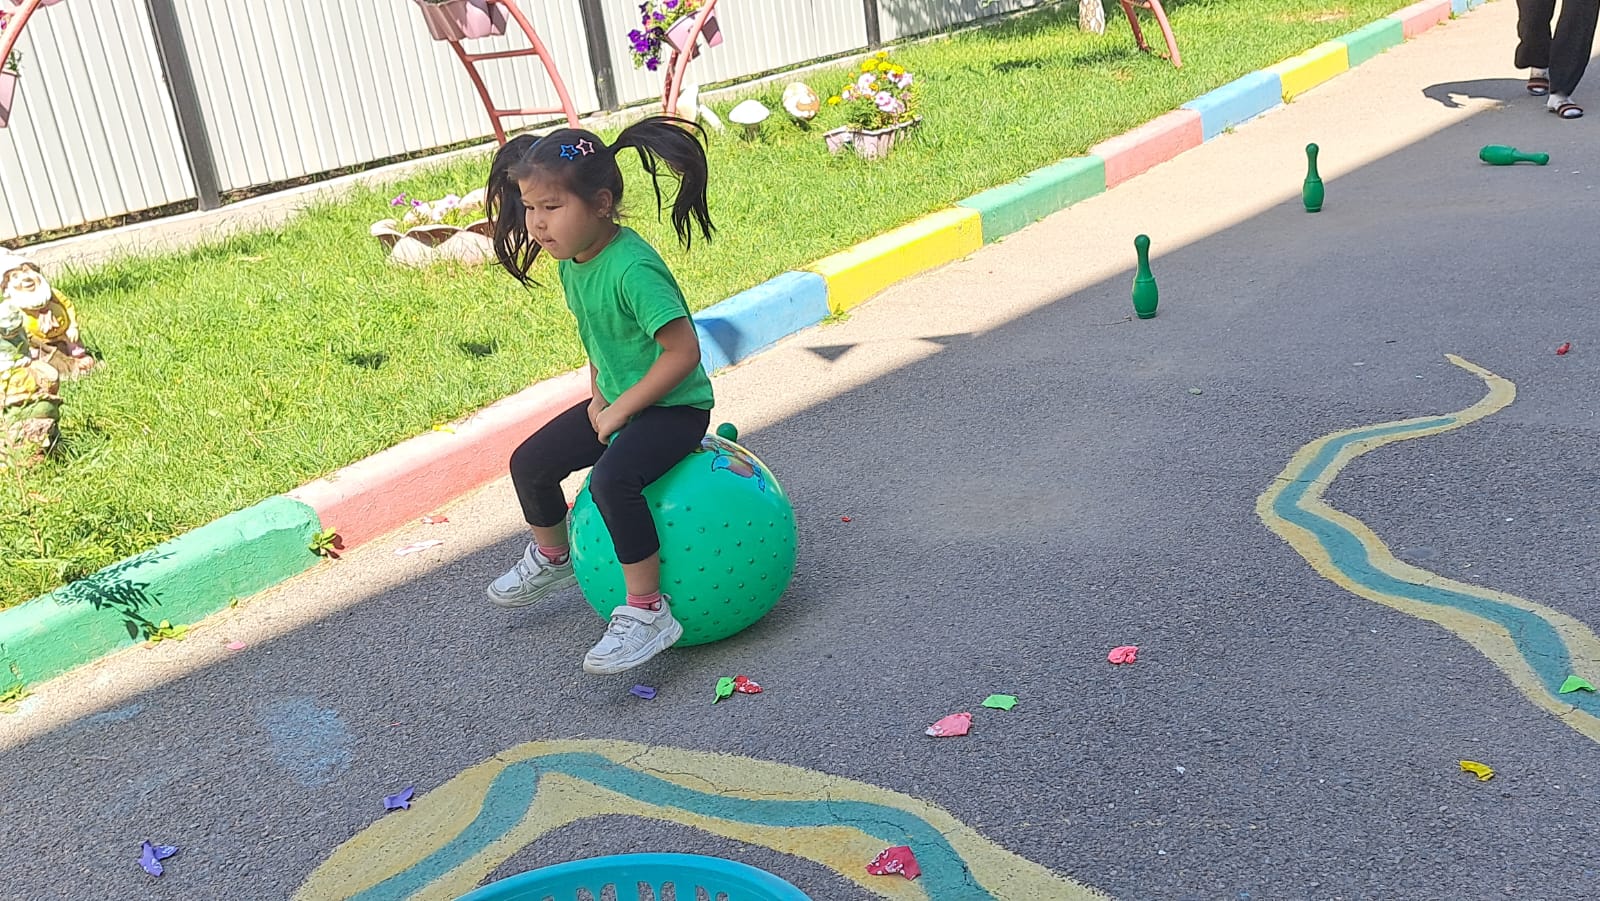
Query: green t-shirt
(621, 298)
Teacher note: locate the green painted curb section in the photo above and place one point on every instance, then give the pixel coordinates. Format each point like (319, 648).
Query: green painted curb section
(182, 580)
(1011, 207)
(1365, 43)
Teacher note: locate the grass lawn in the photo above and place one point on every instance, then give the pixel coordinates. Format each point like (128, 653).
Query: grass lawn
(249, 367)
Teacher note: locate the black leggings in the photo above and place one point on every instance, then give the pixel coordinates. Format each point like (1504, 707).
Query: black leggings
(1567, 54)
(649, 445)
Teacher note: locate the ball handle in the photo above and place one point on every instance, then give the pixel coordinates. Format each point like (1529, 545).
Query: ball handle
(727, 432)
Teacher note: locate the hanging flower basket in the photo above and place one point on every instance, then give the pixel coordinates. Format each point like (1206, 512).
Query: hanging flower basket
(460, 20)
(8, 93)
(464, 239)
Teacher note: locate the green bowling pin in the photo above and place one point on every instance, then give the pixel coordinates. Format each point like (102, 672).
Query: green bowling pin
(1311, 191)
(1501, 155)
(1144, 284)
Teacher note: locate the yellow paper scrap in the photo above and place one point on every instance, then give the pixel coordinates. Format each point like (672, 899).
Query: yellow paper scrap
(1483, 772)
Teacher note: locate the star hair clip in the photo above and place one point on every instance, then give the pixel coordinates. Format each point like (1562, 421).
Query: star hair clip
(584, 147)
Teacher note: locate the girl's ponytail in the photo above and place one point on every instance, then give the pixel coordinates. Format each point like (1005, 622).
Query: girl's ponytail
(680, 144)
(513, 247)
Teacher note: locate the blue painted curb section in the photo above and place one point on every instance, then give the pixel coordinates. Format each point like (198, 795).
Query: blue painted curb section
(1237, 102)
(751, 321)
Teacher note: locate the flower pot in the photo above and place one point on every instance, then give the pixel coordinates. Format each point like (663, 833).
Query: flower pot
(678, 34)
(838, 138)
(459, 20)
(8, 92)
(870, 144)
(426, 245)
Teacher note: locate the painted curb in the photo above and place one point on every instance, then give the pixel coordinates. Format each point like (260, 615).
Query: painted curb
(864, 270)
(751, 321)
(1306, 71)
(181, 580)
(1462, 7)
(374, 496)
(1370, 40)
(1149, 145)
(1419, 17)
(1014, 206)
(1237, 102)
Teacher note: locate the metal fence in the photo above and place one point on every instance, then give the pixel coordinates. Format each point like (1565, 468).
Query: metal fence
(131, 105)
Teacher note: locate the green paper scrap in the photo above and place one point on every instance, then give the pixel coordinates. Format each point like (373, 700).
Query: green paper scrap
(724, 688)
(1575, 683)
(1000, 702)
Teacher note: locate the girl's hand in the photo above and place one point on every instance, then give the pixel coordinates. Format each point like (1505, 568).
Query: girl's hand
(608, 422)
(596, 407)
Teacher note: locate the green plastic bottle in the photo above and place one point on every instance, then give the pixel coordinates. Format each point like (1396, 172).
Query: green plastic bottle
(1145, 294)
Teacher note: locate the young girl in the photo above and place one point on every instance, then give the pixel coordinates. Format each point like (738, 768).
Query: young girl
(651, 400)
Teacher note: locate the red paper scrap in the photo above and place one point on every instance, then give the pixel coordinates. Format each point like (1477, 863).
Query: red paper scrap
(744, 686)
(898, 859)
(1562, 350)
(434, 520)
(844, 519)
(1125, 654)
(952, 725)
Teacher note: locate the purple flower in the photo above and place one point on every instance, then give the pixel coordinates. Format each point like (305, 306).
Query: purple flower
(652, 64)
(672, 4)
(399, 199)
(658, 17)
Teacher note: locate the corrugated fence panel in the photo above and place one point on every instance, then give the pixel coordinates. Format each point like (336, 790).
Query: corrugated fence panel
(759, 35)
(92, 132)
(290, 88)
(904, 18)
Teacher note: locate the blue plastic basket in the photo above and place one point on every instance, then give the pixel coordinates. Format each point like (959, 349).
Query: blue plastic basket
(689, 875)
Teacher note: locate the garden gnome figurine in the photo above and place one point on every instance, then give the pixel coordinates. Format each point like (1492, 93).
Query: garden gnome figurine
(49, 319)
(1091, 16)
(30, 408)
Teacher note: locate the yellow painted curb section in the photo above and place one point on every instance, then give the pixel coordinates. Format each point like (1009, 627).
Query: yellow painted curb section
(1311, 68)
(876, 263)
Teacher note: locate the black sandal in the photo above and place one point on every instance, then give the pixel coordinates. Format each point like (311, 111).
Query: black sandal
(1538, 85)
(1568, 110)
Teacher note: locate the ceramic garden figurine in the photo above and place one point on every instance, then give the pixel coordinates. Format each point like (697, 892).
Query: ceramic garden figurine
(30, 406)
(49, 319)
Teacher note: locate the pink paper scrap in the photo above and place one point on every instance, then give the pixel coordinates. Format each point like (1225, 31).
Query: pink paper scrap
(952, 725)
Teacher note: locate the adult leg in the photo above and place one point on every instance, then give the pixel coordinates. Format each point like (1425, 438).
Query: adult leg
(1533, 33)
(1573, 45)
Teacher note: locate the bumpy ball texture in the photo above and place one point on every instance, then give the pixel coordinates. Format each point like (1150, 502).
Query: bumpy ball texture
(727, 541)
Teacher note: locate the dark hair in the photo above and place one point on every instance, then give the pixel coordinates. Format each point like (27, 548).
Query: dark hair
(582, 163)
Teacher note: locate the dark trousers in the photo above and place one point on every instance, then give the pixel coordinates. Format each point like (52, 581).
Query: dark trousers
(652, 443)
(1566, 54)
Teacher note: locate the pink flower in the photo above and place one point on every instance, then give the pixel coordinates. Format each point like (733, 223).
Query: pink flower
(864, 83)
(885, 101)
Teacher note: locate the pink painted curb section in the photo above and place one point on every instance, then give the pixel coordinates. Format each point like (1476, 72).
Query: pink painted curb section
(1152, 143)
(1419, 17)
(374, 496)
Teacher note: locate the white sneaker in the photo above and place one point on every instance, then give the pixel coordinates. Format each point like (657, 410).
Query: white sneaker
(633, 637)
(533, 578)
